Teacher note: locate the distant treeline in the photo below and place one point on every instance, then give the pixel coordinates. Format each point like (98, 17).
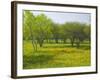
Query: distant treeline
(40, 28)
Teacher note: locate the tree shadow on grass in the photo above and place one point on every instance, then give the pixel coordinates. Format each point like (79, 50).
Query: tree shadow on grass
(34, 60)
(84, 47)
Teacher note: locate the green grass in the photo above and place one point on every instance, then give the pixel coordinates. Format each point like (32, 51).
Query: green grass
(55, 55)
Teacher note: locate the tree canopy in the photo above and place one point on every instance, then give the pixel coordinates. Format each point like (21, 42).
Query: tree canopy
(40, 28)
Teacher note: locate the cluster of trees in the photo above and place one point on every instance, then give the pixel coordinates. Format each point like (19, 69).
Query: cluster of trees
(40, 29)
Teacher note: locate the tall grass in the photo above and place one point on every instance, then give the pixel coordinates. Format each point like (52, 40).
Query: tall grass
(55, 55)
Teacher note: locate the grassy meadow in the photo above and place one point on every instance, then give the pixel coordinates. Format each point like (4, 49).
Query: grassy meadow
(56, 39)
(55, 55)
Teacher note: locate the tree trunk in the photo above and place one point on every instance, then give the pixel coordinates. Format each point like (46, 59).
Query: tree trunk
(56, 40)
(41, 44)
(40, 41)
(34, 44)
(78, 43)
(72, 42)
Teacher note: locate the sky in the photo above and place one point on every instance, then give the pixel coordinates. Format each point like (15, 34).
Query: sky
(62, 17)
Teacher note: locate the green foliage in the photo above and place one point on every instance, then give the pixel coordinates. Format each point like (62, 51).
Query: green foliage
(55, 32)
(75, 31)
(47, 44)
(42, 29)
(39, 28)
(87, 32)
(29, 23)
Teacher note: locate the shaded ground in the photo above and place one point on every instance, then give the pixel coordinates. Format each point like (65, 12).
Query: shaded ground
(55, 55)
